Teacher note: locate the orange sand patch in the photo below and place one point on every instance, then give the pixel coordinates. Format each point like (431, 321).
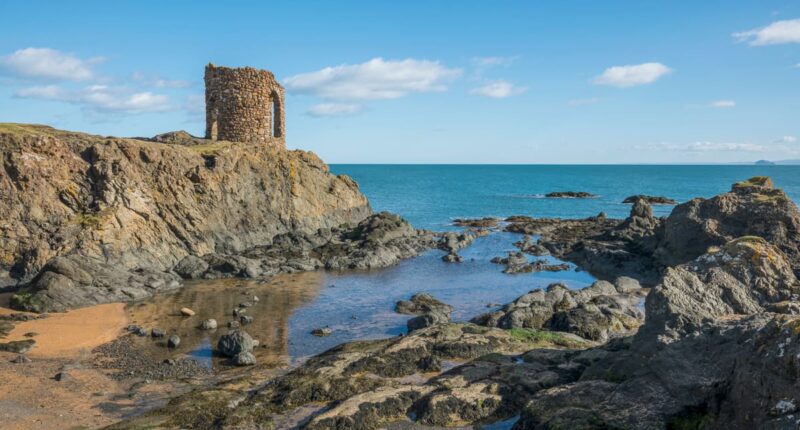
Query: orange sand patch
(72, 334)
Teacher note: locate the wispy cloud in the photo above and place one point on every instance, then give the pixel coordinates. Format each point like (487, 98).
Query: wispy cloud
(157, 81)
(787, 139)
(375, 79)
(583, 102)
(722, 104)
(485, 62)
(333, 109)
(100, 98)
(778, 32)
(632, 75)
(498, 90)
(705, 146)
(48, 64)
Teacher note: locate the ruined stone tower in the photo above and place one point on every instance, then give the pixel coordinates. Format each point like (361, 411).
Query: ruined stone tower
(244, 105)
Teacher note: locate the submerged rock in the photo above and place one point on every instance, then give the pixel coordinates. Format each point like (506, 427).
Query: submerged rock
(322, 331)
(422, 303)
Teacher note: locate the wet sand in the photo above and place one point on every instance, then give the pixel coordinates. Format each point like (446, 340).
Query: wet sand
(72, 334)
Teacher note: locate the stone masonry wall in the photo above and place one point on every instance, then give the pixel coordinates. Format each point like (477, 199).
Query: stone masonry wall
(239, 106)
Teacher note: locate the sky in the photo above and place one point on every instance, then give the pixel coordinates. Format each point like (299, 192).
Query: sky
(428, 81)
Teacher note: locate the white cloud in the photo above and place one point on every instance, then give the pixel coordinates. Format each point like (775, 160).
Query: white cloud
(333, 109)
(583, 102)
(723, 104)
(632, 75)
(787, 31)
(48, 64)
(494, 61)
(498, 90)
(787, 139)
(705, 146)
(158, 82)
(100, 98)
(374, 79)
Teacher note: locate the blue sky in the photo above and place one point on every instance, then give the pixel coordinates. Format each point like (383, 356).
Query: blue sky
(428, 81)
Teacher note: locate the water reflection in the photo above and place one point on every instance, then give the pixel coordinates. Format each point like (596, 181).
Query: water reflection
(355, 305)
(277, 299)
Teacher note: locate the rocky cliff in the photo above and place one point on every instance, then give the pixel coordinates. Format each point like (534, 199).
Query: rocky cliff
(138, 207)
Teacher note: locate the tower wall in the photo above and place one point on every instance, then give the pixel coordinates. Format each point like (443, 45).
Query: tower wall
(244, 105)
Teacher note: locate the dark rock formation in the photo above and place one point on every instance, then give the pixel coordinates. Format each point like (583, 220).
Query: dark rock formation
(711, 354)
(422, 303)
(569, 195)
(517, 262)
(598, 313)
(487, 222)
(752, 208)
(653, 200)
(235, 342)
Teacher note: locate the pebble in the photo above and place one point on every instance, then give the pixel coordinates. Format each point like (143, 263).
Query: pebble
(321, 332)
(245, 304)
(21, 359)
(157, 332)
(209, 324)
(187, 312)
(62, 376)
(245, 319)
(234, 324)
(173, 341)
(255, 298)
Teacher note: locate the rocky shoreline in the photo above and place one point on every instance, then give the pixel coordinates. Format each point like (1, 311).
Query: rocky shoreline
(715, 346)
(714, 328)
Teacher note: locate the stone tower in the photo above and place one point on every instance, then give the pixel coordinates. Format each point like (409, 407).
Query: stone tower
(244, 105)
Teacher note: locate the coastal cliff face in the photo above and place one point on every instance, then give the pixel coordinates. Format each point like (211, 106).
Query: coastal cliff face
(145, 205)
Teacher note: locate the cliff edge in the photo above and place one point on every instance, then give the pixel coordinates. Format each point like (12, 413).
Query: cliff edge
(141, 205)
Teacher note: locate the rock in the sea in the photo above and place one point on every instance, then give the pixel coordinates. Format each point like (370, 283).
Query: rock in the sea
(569, 195)
(422, 303)
(244, 359)
(187, 312)
(322, 331)
(452, 258)
(488, 222)
(173, 341)
(653, 200)
(209, 324)
(235, 342)
(428, 319)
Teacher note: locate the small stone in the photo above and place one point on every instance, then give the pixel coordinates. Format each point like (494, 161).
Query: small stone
(133, 328)
(244, 359)
(322, 332)
(173, 341)
(255, 298)
(31, 334)
(169, 361)
(209, 324)
(187, 312)
(157, 332)
(245, 304)
(141, 332)
(236, 312)
(234, 324)
(62, 376)
(21, 359)
(246, 319)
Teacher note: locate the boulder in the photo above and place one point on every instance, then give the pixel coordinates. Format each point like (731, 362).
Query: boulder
(235, 342)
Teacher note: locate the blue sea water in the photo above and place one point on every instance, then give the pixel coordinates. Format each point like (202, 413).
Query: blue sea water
(431, 195)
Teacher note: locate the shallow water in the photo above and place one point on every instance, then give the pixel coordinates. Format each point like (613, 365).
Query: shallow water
(356, 305)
